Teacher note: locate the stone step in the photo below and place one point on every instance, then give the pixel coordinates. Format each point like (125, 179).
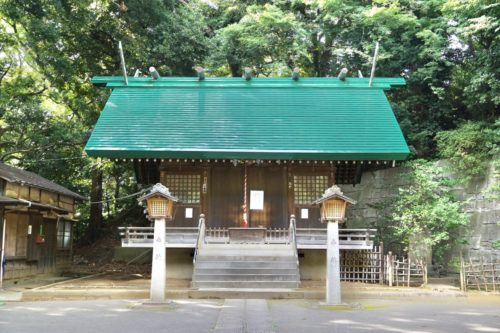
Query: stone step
(260, 253)
(241, 266)
(248, 247)
(199, 277)
(245, 258)
(252, 293)
(245, 270)
(245, 284)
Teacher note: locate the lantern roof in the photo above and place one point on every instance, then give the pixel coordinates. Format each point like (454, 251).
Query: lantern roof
(158, 190)
(333, 193)
(263, 118)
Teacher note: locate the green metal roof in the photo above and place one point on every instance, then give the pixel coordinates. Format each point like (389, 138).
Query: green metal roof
(265, 118)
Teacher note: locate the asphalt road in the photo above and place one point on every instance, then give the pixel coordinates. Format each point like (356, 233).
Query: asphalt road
(423, 315)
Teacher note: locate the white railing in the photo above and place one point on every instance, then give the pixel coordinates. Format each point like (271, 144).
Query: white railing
(217, 236)
(293, 236)
(201, 236)
(349, 239)
(304, 238)
(143, 236)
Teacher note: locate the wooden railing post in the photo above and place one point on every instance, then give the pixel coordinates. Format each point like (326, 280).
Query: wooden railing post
(381, 262)
(201, 236)
(292, 234)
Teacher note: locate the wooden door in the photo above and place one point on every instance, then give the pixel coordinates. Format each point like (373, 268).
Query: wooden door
(226, 196)
(227, 184)
(47, 249)
(271, 181)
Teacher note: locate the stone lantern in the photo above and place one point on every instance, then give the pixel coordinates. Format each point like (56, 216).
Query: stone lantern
(160, 205)
(333, 205)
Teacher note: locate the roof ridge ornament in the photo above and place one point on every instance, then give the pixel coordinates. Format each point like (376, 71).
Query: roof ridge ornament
(247, 74)
(295, 74)
(200, 71)
(154, 73)
(343, 74)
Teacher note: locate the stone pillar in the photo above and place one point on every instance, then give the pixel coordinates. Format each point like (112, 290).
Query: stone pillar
(333, 264)
(159, 266)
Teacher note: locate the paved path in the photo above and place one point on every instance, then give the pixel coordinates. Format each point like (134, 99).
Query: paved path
(244, 315)
(419, 315)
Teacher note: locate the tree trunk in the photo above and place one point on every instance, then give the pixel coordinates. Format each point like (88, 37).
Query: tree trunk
(95, 219)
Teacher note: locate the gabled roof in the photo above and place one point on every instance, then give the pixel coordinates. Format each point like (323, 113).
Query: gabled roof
(16, 175)
(264, 118)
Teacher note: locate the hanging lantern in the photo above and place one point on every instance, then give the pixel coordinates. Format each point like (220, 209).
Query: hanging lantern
(160, 202)
(333, 205)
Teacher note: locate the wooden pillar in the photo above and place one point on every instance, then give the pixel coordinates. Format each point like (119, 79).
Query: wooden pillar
(333, 265)
(2, 250)
(159, 265)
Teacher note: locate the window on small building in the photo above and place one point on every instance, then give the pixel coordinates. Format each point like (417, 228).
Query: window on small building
(186, 187)
(64, 234)
(308, 188)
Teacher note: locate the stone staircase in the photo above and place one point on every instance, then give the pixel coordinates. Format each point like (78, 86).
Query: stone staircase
(245, 266)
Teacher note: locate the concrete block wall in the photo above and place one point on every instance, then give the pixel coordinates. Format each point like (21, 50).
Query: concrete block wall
(483, 205)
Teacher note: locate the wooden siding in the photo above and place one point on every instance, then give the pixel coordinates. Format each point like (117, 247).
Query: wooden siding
(225, 197)
(222, 186)
(35, 194)
(16, 231)
(271, 180)
(27, 254)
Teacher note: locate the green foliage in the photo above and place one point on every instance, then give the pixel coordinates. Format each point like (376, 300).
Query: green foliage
(266, 38)
(446, 49)
(469, 147)
(425, 212)
(496, 244)
(473, 30)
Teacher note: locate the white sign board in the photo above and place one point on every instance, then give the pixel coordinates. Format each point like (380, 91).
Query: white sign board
(189, 213)
(304, 213)
(257, 200)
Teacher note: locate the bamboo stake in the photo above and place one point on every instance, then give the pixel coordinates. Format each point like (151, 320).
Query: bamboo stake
(409, 271)
(483, 273)
(463, 284)
(493, 275)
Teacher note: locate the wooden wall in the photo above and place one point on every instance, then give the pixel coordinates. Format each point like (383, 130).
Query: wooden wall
(287, 190)
(26, 253)
(34, 194)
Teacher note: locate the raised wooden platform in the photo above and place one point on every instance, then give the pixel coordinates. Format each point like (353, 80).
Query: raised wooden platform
(306, 238)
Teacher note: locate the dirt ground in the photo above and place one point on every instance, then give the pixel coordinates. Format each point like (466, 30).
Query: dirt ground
(98, 258)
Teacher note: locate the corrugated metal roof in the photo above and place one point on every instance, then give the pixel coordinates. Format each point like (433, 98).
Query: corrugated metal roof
(314, 118)
(20, 176)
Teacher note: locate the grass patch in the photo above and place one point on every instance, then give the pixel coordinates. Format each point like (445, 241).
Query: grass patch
(372, 307)
(337, 307)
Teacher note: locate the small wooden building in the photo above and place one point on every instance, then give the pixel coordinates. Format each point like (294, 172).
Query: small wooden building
(249, 153)
(37, 217)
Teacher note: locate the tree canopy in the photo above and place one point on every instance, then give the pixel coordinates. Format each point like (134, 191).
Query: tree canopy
(448, 50)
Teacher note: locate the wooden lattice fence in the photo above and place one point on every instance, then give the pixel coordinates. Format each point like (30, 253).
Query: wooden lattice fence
(365, 266)
(479, 274)
(372, 266)
(404, 272)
